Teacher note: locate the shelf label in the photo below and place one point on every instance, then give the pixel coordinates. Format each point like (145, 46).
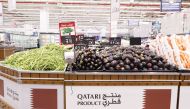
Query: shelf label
(79, 39)
(89, 40)
(70, 39)
(115, 41)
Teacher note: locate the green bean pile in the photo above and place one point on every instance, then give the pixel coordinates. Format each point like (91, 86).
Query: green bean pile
(47, 58)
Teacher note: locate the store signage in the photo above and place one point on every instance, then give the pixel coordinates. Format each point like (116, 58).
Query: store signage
(101, 99)
(70, 39)
(115, 41)
(31, 96)
(67, 29)
(79, 39)
(174, 5)
(89, 40)
(135, 40)
(80, 46)
(121, 97)
(10, 92)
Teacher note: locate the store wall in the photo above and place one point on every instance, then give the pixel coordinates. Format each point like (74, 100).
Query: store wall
(187, 21)
(175, 23)
(143, 30)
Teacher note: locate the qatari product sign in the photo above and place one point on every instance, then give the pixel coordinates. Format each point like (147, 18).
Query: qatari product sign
(31, 96)
(10, 92)
(121, 97)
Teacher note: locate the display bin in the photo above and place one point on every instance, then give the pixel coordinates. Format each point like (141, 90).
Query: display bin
(119, 90)
(5, 52)
(31, 89)
(184, 94)
(87, 90)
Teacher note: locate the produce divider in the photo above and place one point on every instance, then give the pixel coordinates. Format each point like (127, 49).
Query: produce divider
(5, 52)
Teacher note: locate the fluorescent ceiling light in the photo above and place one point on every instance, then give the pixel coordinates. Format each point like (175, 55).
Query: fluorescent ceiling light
(132, 1)
(171, 1)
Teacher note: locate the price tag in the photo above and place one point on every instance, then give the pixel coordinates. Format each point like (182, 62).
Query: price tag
(80, 46)
(89, 40)
(79, 39)
(115, 41)
(68, 39)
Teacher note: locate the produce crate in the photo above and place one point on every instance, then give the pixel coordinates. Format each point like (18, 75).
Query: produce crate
(75, 90)
(31, 89)
(131, 90)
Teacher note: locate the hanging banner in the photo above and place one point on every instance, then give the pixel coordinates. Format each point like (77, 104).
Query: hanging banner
(11, 5)
(170, 5)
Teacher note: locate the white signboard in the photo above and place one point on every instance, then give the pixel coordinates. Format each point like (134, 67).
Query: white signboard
(121, 97)
(11, 92)
(31, 96)
(42, 97)
(184, 97)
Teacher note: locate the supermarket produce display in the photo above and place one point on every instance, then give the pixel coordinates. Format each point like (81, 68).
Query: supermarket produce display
(132, 58)
(175, 48)
(47, 58)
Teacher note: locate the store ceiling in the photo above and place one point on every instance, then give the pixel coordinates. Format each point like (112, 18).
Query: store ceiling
(87, 13)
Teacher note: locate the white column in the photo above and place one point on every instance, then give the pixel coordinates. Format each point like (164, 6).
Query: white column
(44, 20)
(11, 5)
(1, 14)
(115, 11)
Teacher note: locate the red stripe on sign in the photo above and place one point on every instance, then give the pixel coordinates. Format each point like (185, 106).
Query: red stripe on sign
(157, 99)
(2, 88)
(44, 98)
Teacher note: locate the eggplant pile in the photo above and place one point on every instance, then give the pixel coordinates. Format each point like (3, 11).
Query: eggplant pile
(88, 59)
(133, 58)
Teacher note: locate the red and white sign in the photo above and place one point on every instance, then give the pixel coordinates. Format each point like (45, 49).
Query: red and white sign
(30, 96)
(66, 28)
(121, 97)
(65, 25)
(10, 92)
